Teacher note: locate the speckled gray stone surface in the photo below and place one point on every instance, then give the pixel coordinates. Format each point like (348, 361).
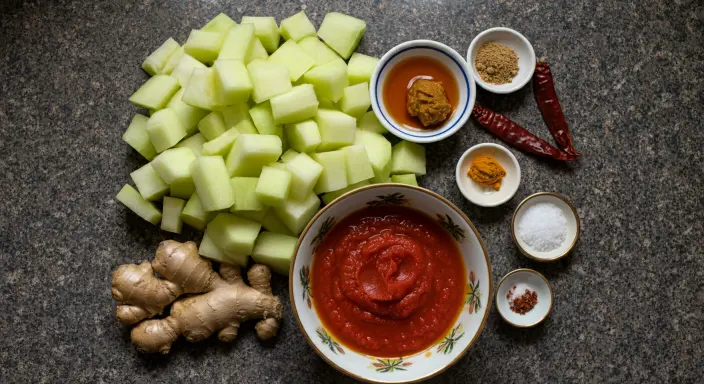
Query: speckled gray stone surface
(628, 301)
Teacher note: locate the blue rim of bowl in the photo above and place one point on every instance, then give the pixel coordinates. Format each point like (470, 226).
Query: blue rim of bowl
(405, 132)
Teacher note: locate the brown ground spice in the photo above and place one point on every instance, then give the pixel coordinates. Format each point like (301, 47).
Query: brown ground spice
(523, 303)
(496, 63)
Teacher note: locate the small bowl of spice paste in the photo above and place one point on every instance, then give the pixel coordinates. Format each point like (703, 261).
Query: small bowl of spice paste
(524, 298)
(545, 226)
(422, 91)
(502, 60)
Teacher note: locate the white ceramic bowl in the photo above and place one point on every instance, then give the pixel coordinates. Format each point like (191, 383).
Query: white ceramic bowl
(484, 196)
(444, 54)
(512, 39)
(532, 280)
(426, 363)
(573, 226)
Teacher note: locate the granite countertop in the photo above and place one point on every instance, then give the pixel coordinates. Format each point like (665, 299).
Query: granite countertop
(628, 301)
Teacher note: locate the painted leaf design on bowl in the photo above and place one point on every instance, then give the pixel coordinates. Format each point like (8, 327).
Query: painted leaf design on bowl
(326, 339)
(304, 274)
(396, 198)
(455, 231)
(324, 229)
(448, 343)
(474, 295)
(391, 365)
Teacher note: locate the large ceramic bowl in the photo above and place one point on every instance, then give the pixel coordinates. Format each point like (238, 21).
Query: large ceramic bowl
(444, 352)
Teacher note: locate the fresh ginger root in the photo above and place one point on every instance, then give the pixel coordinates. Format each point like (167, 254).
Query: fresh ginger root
(221, 302)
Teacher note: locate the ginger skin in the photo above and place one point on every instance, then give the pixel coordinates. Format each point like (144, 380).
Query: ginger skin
(221, 301)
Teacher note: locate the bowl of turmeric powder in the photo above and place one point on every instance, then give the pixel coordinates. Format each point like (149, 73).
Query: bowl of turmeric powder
(488, 174)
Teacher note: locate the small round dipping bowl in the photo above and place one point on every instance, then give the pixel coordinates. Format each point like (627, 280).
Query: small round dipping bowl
(487, 196)
(568, 211)
(532, 280)
(445, 55)
(512, 39)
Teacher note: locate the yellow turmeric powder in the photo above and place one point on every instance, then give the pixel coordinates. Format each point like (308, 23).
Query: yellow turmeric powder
(486, 171)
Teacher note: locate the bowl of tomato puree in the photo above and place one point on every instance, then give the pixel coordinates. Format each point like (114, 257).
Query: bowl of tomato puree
(391, 283)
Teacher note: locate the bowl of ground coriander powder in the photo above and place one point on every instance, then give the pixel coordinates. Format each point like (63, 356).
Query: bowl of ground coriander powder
(502, 60)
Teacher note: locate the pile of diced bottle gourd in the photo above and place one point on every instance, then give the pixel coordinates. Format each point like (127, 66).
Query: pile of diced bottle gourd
(245, 133)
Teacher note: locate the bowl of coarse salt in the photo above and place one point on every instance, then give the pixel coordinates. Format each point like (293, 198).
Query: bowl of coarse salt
(545, 226)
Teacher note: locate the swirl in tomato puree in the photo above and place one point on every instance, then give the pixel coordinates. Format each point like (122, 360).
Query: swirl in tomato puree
(388, 281)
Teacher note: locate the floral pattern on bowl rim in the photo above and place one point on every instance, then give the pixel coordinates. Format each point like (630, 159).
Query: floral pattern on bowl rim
(426, 363)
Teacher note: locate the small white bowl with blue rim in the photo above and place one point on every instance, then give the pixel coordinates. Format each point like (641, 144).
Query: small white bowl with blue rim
(457, 66)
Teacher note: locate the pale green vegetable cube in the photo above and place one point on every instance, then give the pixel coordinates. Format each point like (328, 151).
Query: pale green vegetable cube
(220, 23)
(358, 166)
(337, 129)
(209, 249)
(296, 105)
(235, 114)
(204, 46)
(321, 53)
(252, 152)
(137, 204)
(264, 120)
(233, 234)
(275, 250)
(237, 43)
(266, 30)
(305, 173)
(212, 126)
(369, 122)
(149, 184)
(360, 68)
(137, 137)
(246, 127)
(202, 90)
(174, 165)
(342, 33)
(294, 58)
(184, 69)
(233, 79)
(408, 157)
(379, 152)
(334, 175)
(212, 183)
(256, 52)
(187, 114)
(182, 189)
(257, 216)
(155, 93)
(165, 129)
(327, 104)
(330, 196)
(329, 80)
(303, 136)
(296, 214)
(156, 61)
(355, 100)
(409, 179)
(195, 143)
(274, 186)
(269, 80)
(288, 156)
(297, 27)
(246, 199)
(272, 223)
(171, 220)
(173, 61)
(221, 145)
(194, 215)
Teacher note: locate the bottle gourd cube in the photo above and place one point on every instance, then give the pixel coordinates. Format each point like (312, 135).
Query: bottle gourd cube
(337, 129)
(275, 250)
(212, 183)
(252, 152)
(342, 33)
(137, 204)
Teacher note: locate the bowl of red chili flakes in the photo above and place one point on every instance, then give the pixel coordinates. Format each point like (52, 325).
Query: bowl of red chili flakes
(390, 283)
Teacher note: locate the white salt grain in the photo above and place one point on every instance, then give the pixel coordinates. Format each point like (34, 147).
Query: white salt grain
(543, 227)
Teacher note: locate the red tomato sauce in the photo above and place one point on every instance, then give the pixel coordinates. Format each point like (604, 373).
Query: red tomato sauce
(388, 281)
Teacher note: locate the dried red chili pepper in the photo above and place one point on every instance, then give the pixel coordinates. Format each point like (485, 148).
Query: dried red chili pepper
(545, 95)
(516, 135)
